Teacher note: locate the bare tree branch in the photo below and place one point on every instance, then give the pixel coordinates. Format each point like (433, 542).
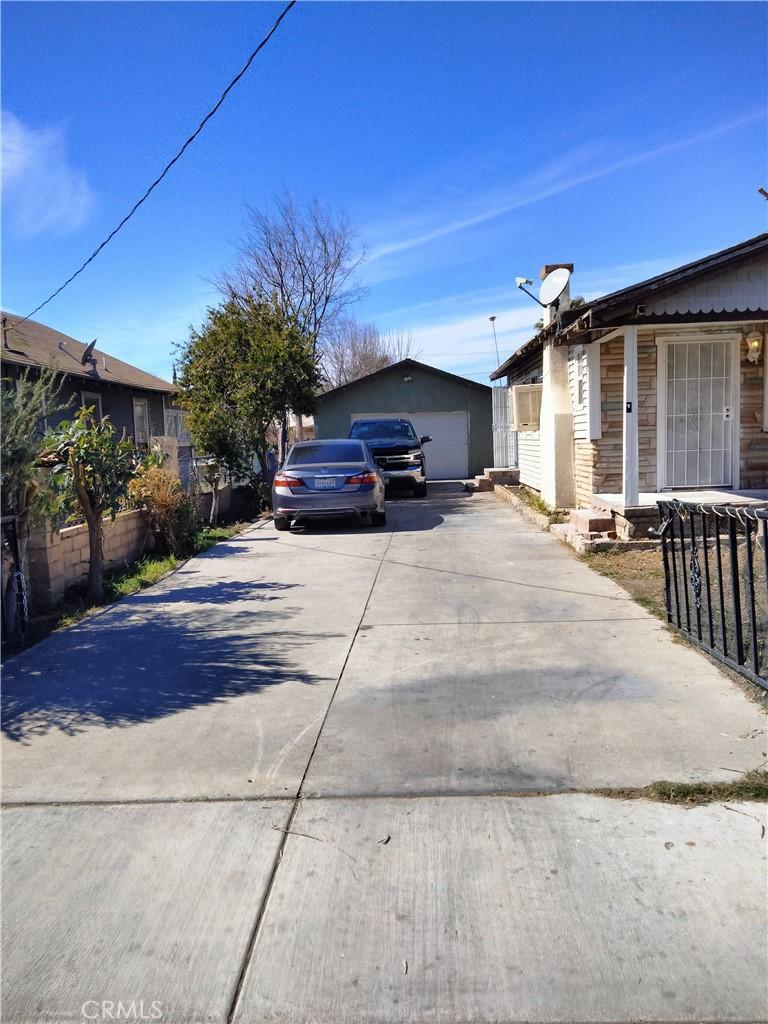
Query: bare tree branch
(302, 256)
(353, 350)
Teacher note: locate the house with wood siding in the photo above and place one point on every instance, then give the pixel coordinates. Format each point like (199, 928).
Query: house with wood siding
(138, 404)
(655, 389)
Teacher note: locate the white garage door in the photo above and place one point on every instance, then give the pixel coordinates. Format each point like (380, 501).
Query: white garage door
(448, 451)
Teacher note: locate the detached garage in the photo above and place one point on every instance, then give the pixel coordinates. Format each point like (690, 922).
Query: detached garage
(455, 411)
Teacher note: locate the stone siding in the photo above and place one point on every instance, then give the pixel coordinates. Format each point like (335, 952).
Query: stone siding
(646, 410)
(59, 560)
(584, 453)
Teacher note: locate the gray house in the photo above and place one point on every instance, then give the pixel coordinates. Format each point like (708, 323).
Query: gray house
(454, 410)
(136, 402)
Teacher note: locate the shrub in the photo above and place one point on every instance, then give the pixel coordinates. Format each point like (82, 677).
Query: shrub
(90, 469)
(173, 517)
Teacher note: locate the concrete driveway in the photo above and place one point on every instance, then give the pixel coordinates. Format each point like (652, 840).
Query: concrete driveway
(344, 775)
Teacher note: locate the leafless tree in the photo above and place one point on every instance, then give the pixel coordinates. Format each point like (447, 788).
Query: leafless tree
(303, 256)
(353, 350)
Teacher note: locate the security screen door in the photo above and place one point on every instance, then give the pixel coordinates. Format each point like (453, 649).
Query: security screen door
(699, 414)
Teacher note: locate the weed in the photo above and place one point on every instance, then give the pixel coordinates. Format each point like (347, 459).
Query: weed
(537, 503)
(752, 786)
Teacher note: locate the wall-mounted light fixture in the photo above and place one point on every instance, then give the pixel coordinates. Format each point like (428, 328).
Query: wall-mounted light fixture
(754, 346)
(407, 378)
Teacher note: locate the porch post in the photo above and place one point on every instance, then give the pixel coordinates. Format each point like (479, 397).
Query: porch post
(630, 461)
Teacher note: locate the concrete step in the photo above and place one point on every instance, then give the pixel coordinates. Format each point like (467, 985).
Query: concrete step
(482, 483)
(509, 475)
(591, 520)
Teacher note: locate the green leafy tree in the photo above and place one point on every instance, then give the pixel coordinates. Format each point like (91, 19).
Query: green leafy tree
(26, 402)
(239, 373)
(90, 469)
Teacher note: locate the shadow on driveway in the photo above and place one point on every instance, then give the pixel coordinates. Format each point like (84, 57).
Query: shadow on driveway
(139, 662)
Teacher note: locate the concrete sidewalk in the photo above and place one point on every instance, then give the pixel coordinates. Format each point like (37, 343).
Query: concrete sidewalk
(310, 777)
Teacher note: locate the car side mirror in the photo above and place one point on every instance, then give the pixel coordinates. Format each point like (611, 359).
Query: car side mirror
(427, 437)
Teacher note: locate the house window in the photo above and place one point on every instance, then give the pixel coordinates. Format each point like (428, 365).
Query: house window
(141, 422)
(175, 421)
(526, 406)
(581, 378)
(92, 400)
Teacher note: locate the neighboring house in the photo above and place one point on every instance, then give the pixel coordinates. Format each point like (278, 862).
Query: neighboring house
(655, 388)
(455, 411)
(137, 403)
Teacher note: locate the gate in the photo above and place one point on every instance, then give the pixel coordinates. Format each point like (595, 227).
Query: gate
(504, 439)
(716, 580)
(13, 590)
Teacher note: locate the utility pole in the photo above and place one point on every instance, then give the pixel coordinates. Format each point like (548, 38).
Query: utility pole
(495, 343)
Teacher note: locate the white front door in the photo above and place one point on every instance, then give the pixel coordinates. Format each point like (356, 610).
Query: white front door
(699, 415)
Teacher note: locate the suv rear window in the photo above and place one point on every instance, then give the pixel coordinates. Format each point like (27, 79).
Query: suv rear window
(367, 429)
(315, 452)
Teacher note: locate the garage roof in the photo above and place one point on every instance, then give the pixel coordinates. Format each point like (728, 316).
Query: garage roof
(403, 365)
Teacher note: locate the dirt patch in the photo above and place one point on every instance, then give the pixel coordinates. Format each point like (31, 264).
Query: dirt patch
(639, 572)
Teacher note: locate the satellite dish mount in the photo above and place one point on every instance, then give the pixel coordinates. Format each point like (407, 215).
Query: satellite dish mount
(88, 356)
(552, 287)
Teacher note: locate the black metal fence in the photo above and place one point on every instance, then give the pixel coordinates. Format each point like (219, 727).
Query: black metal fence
(716, 580)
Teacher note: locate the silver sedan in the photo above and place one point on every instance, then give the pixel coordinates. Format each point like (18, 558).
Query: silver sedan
(323, 479)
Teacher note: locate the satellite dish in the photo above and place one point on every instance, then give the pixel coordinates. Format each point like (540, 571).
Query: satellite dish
(87, 356)
(553, 286)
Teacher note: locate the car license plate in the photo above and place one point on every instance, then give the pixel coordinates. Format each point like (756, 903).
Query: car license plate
(325, 483)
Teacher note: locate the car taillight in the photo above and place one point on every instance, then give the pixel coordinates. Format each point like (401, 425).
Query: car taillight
(284, 480)
(362, 478)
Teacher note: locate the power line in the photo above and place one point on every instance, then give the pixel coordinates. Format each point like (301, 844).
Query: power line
(168, 166)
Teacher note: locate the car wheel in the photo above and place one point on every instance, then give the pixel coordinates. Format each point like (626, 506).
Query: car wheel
(378, 518)
(281, 523)
(420, 490)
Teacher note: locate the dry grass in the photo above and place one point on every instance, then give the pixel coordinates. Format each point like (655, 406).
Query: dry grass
(752, 786)
(639, 572)
(537, 503)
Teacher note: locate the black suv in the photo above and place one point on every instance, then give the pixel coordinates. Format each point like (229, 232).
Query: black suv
(397, 448)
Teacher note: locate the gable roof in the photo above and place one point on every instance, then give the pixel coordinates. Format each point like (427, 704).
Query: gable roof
(34, 344)
(707, 266)
(622, 305)
(402, 365)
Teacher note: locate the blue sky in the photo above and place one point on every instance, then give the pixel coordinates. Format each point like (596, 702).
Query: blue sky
(467, 143)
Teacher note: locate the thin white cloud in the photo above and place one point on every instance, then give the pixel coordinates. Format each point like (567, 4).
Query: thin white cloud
(42, 192)
(580, 167)
(454, 333)
(148, 337)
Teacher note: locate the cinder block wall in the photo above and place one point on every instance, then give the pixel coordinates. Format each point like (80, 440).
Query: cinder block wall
(59, 560)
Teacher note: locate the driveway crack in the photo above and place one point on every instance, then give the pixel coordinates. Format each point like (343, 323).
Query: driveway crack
(288, 829)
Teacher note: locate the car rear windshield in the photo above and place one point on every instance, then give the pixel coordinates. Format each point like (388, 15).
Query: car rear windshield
(382, 428)
(324, 452)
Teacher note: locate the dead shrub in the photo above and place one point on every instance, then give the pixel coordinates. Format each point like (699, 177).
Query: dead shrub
(173, 516)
